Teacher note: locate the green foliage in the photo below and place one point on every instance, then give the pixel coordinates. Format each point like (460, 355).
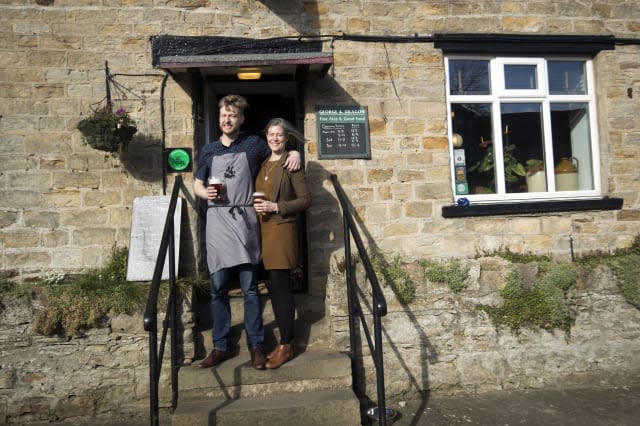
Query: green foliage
(521, 257)
(625, 264)
(545, 305)
(394, 276)
(627, 269)
(82, 302)
(451, 273)
(513, 169)
(107, 130)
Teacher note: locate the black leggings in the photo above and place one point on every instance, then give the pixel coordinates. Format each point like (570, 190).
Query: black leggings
(282, 302)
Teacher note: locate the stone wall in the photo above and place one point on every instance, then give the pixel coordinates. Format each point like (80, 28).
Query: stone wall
(443, 343)
(104, 373)
(439, 342)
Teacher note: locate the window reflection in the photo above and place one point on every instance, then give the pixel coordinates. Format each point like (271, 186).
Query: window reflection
(520, 77)
(469, 77)
(566, 77)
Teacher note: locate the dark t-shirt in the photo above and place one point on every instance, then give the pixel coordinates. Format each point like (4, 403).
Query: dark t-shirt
(232, 234)
(253, 146)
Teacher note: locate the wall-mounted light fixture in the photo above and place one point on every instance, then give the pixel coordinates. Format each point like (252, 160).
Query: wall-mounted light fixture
(249, 74)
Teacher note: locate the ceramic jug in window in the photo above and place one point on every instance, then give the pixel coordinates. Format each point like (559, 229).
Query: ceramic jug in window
(567, 174)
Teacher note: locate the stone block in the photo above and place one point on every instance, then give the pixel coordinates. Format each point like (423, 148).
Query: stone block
(66, 257)
(19, 238)
(76, 180)
(55, 238)
(379, 175)
(42, 219)
(526, 226)
(74, 406)
(60, 198)
(8, 218)
(102, 198)
(88, 217)
(93, 236)
(19, 199)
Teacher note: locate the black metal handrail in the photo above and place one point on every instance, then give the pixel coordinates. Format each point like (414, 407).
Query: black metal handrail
(378, 305)
(151, 313)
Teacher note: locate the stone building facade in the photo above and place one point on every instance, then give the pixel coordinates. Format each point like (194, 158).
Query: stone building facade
(64, 205)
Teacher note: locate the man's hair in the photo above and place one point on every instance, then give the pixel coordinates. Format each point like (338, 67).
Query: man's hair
(237, 101)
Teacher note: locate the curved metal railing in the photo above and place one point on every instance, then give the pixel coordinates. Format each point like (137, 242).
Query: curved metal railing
(378, 305)
(156, 354)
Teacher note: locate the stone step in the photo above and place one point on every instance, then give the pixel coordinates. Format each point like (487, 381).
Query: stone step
(235, 378)
(313, 408)
(312, 389)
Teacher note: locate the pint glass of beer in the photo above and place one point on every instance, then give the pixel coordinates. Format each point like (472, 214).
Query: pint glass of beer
(217, 183)
(258, 195)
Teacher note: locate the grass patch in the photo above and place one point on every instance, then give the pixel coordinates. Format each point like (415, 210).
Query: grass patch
(73, 305)
(394, 276)
(545, 305)
(451, 273)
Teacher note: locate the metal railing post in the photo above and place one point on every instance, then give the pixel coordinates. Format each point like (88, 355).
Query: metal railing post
(378, 307)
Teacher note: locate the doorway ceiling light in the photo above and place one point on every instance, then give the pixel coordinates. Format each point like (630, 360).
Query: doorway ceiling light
(249, 74)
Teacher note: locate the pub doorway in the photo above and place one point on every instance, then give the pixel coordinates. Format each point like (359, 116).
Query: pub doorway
(266, 100)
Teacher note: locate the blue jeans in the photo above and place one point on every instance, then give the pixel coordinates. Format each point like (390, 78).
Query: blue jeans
(221, 311)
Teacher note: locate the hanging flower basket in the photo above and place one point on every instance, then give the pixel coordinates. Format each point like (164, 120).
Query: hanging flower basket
(107, 131)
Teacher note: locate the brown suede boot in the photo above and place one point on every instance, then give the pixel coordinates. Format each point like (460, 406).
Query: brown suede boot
(281, 354)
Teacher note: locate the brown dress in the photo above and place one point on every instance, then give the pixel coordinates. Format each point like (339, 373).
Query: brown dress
(279, 231)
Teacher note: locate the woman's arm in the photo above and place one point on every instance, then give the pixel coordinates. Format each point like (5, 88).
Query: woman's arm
(302, 196)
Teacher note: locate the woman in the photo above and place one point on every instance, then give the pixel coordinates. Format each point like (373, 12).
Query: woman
(285, 195)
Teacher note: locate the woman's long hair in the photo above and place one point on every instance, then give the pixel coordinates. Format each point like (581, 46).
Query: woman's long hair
(293, 134)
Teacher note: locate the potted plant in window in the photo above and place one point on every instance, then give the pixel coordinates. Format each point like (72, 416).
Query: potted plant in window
(513, 169)
(536, 176)
(107, 130)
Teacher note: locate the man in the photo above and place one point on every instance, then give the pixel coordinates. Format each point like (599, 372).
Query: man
(232, 232)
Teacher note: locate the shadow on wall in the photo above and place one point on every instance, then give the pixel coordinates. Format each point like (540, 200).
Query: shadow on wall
(291, 12)
(142, 158)
(326, 235)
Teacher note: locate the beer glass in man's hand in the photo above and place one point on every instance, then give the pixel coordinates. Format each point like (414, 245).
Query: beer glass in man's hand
(217, 184)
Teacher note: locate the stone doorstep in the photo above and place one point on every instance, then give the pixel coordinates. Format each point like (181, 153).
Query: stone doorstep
(321, 408)
(298, 392)
(235, 378)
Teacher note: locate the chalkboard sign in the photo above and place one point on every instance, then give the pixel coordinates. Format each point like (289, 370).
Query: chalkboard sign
(343, 132)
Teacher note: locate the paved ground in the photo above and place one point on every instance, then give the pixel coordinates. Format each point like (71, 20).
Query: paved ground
(580, 407)
(576, 407)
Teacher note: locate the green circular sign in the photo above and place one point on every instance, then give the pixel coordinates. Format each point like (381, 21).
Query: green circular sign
(179, 159)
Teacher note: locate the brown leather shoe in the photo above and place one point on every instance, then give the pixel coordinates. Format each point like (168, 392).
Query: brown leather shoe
(257, 358)
(273, 352)
(214, 358)
(283, 353)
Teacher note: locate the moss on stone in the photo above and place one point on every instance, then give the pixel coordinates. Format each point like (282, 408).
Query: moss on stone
(450, 272)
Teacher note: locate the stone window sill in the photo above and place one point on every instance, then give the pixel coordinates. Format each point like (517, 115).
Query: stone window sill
(531, 207)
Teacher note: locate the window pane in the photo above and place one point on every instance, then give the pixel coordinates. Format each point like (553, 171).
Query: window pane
(473, 150)
(520, 77)
(469, 77)
(522, 140)
(571, 146)
(566, 77)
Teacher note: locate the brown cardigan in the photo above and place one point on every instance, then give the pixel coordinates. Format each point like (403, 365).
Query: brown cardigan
(289, 191)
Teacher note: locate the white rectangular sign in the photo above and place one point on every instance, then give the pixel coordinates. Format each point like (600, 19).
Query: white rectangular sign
(147, 224)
